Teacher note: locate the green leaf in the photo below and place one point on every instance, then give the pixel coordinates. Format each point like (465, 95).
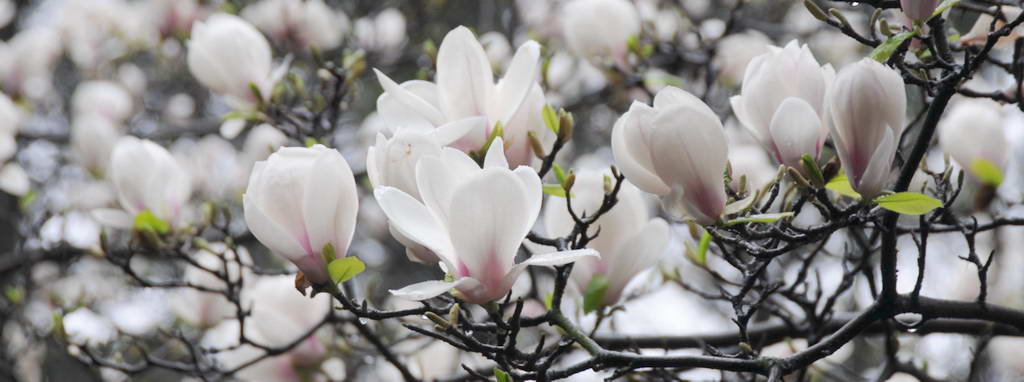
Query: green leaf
(761, 218)
(554, 190)
(345, 268)
(908, 203)
(559, 173)
(987, 172)
(497, 132)
(501, 375)
(841, 185)
(146, 221)
(813, 170)
(550, 118)
(885, 50)
(943, 7)
(310, 142)
(702, 248)
(548, 300)
(594, 296)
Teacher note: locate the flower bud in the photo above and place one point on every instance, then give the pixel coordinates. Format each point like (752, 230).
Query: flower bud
(973, 130)
(868, 105)
(298, 201)
(231, 57)
(147, 177)
(306, 23)
(918, 9)
(676, 150)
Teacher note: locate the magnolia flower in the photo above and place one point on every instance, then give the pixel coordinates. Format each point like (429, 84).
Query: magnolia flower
(676, 150)
(918, 9)
(973, 130)
(229, 56)
(92, 140)
(630, 241)
(27, 61)
(146, 178)
(298, 201)
(383, 33)
(102, 98)
(735, 51)
(10, 122)
(173, 17)
(306, 23)
(788, 117)
(14, 180)
(465, 88)
(474, 220)
(868, 105)
(214, 166)
(600, 29)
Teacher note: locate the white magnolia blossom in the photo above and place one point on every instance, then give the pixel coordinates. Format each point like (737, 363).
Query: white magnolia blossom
(735, 51)
(14, 180)
(217, 173)
(474, 219)
(172, 17)
(307, 23)
(93, 137)
(600, 29)
(918, 9)
(498, 48)
(676, 150)
(85, 327)
(27, 61)
(868, 105)
(383, 33)
(146, 178)
(788, 117)
(262, 141)
(973, 130)
(10, 122)
(298, 201)
(630, 241)
(229, 56)
(102, 98)
(465, 88)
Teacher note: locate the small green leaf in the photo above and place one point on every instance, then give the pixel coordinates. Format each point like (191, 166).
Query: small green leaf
(501, 375)
(14, 295)
(946, 4)
(559, 173)
(310, 142)
(885, 50)
(328, 253)
(811, 166)
(548, 300)
(495, 133)
(146, 221)
(25, 201)
(702, 248)
(550, 118)
(554, 190)
(594, 296)
(345, 268)
(841, 185)
(58, 326)
(761, 218)
(908, 203)
(987, 172)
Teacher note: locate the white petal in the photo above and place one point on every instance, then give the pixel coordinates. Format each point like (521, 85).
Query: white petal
(410, 100)
(450, 132)
(412, 219)
(637, 253)
(876, 176)
(795, 130)
(546, 260)
(14, 180)
(496, 154)
(515, 85)
(464, 78)
(693, 156)
(113, 218)
(329, 191)
(429, 289)
(268, 232)
(534, 193)
(397, 115)
(632, 155)
(231, 128)
(487, 224)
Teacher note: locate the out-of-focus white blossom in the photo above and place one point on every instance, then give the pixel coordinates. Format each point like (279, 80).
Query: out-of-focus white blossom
(203, 308)
(146, 177)
(630, 241)
(973, 130)
(27, 61)
(788, 117)
(92, 140)
(14, 180)
(306, 23)
(262, 141)
(600, 29)
(172, 17)
(214, 166)
(868, 105)
(676, 150)
(735, 51)
(229, 56)
(298, 201)
(10, 122)
(474, 220)
(85, 327)
(383, 33)
(102, 98)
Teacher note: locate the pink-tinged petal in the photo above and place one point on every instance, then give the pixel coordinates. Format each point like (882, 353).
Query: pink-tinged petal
(113, 218)
(416, 252)
(672, 96)
(876, 177)
(398, 115)
(795, 131)
(693, 156)
(412, 219)
(410, 100)
(521, 75)
(430, 289)
(464, 78)
(436, 182)
(739, 109)
(487, 224)
(313, 267)
(634, 255)
(268, 232)
(452, 131)
(495, 157)
(632, 155)
(534, 193)
(347, 209)
(545, 260)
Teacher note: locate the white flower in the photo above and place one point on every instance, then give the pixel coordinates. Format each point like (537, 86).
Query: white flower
(973, 130)
(27, 61)
(474, 220)
(298, 201)
(676, 150)
(787, 116)
(214, 166)
(92, 139)
(868, 105)
(146, 177)
(630, 241)
(85, 327)
(465, 88)
(384, 33)
(735, 51)
(173, 17)
(600, 29)
(305, 23)
(14, 180)
(228, 55)
(102, 98)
